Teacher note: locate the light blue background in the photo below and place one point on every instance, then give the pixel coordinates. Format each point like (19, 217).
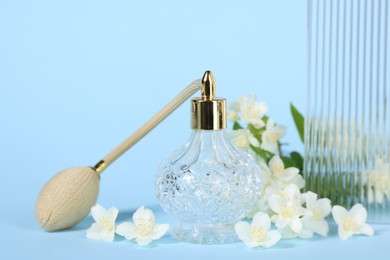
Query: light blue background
(77, 77)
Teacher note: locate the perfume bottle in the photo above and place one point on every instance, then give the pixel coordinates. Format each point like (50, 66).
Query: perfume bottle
(208, 185)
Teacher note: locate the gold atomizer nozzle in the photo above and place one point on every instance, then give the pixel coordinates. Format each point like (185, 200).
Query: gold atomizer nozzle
(208, 112)
(208, 86)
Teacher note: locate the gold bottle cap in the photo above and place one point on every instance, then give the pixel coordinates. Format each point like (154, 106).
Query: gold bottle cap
(208, 112)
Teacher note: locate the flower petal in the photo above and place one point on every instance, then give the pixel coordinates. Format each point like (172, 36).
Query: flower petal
(95, 232)
(253, 243)
(159, 230)
(143, 213)
(292, 193)
(343, 234)
(264, 168)
(281, 222)
(320, 226)
(143, 241)
(298, 180)
(339, 214)
(276, 162)
(272, 237)
(253, 141)
(270, 123)
(98, 212)
(285, 176)
(306, 233)
(310, 198)
(234, 106)
(296, 224)
(276, 203)
(113, 213)
(261, 219)
(281, 129)
(265, 145)
(258, 123)
(242, 229)
(287, 233)
(109, 236)
(359, 213)
(379, 196)
(325, 206)
(127, 229)
(292, 171)
(366, 230)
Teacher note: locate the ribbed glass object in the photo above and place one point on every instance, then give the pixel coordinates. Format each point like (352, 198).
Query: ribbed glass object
(347, 137)
(208, 185)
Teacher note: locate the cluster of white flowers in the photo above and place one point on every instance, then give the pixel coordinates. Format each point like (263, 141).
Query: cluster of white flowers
(247, 110)
(294, 214)
(142, 231)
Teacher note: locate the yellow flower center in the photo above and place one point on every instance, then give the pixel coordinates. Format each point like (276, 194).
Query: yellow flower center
(349, 224)
(106, 223)
(317, 214)
(144, 225)
(278, 168)
(273, 137)
(252, 112)
(380, 182)
(241, 141)
(288, 211)
(257, 232)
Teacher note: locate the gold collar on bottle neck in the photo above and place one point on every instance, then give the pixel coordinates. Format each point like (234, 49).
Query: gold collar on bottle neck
(207, 111)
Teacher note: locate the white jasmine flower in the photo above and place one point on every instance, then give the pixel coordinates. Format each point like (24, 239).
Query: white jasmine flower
(378, 181)
(286, 175)
(233, 116)
(270, 186)
(252, 112)
(278, 170)
(266, 175)
(272, 134)
(289, 193)
(258, 233)
(318, 210)
(298, 180)
(234, 109)
(351, 222)
(287, 208)
(284, 182)
(104, 228)
(143, 230)
(243, 138)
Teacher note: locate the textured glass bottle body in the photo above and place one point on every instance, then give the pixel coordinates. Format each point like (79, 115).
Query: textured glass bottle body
(347, 131)
(208, 185)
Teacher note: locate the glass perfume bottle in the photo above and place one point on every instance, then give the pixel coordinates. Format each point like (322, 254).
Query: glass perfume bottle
(208, 185)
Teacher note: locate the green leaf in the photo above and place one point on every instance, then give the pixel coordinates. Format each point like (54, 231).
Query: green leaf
(288, 162)
(298, 159)
(269, 154)
(263, 154)
(253, 129)
(255, 132)
(237, 126)
(299, 121)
